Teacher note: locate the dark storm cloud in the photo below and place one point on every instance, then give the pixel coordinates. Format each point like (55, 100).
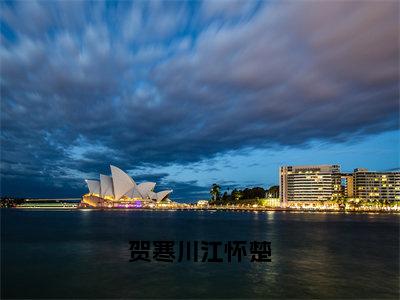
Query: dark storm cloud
(87, 84)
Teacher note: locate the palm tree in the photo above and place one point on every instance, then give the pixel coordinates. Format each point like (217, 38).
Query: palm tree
(340, 200)
(384, 203)
(215, 192)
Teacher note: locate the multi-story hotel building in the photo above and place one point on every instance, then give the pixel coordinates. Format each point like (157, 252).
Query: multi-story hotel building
(309, 183)
(368, 185)
(324, 182)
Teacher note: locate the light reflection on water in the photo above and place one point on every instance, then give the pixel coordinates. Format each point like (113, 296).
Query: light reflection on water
(84, 253)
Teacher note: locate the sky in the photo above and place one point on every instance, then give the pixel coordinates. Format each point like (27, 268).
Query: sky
(188, 94)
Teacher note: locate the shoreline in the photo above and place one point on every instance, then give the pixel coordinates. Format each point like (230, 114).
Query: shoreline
(212, 209)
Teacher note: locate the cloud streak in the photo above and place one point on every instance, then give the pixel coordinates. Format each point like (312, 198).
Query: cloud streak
(158, 83)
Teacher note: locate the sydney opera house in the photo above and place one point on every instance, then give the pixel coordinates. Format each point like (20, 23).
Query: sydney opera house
(120, 190)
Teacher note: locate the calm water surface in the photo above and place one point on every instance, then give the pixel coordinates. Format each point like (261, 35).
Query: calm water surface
(85, 254)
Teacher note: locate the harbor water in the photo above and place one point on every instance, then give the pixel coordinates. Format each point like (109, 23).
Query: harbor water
(86, 254)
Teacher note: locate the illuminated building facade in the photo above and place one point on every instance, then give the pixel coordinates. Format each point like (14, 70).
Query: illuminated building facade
(313, 184)
(349, 185)
(309, 183)
(120, 190)
(368, 185)
(203, 203)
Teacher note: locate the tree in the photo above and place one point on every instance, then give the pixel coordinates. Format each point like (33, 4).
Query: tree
(273, 192)
(385, 203)
(236, 195)
(340, 200)
(225, 197)
(215, 192)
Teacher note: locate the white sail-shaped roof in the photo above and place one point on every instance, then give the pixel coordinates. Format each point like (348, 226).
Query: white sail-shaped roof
(122, 182)
(133, 193)
(146, 187)
(152, 195)
(163, 194)
(106, 186)
(129, 193)
(94, 186)
(136, 194)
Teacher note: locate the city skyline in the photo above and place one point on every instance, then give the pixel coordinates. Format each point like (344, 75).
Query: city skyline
(227, 92)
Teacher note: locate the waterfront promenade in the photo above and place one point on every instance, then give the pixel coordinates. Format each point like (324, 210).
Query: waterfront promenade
(263, 205)
(214, 208)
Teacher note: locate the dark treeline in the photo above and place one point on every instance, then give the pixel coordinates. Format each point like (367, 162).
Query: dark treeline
(10, 202)
(239, 196)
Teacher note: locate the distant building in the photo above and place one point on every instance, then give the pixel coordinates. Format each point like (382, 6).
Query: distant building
(202, 203)
(369, 185)
(309, 183)
(324, 182)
